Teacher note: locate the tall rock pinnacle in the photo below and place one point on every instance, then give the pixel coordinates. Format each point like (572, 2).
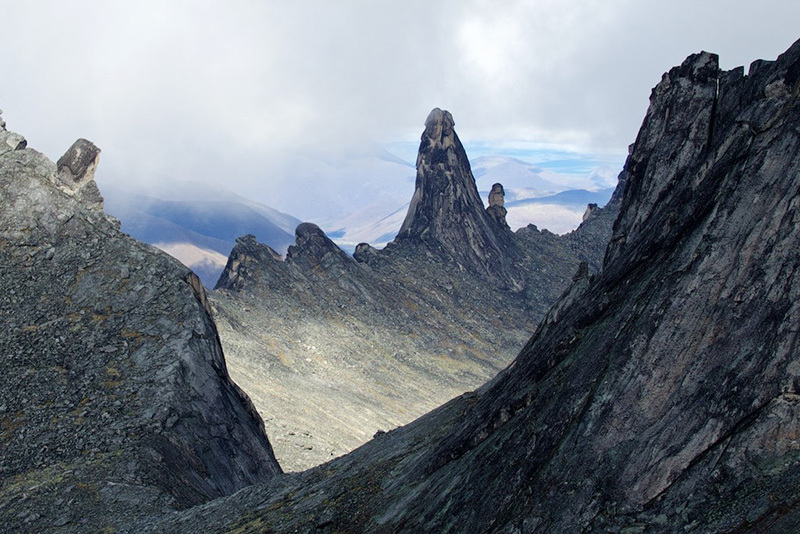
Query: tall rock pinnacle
(445, 192)
(446, 210)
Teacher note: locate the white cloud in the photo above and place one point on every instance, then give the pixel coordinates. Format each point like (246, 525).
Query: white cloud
(235, 91)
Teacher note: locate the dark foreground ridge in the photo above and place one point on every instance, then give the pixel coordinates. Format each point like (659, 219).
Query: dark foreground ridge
(660, 395)
(115, 400)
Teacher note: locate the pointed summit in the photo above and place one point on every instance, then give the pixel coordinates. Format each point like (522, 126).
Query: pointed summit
(445, 191)
(314, 249)
(446, 211)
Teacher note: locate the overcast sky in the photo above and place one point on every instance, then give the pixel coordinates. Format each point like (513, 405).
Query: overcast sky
(227, 90)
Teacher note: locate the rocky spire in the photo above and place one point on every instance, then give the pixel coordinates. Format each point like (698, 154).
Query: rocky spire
(496, 210)
(315, 249)
(445, 192)
(9, 141)
(76, 170)
(446, 210)
(245, 254)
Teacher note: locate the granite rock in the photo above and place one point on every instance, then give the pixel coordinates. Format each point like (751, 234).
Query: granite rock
(660, 394)
(115, 393)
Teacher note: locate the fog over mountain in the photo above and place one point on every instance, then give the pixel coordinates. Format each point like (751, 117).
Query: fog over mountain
(660, 392)
(238, 93)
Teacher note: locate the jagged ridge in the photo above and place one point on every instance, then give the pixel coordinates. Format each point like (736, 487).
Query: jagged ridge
(115, 398)
(660, 395)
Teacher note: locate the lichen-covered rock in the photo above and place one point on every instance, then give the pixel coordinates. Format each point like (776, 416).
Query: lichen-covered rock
(115, 399)
(10, 141)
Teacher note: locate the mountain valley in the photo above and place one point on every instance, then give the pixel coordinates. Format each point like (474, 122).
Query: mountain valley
(639, 374)
(390, 334)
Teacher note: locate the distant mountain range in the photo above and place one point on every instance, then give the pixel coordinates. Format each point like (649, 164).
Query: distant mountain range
(361, 197)
(197, 223)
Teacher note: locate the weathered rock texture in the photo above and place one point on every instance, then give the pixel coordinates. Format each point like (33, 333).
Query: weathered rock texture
(75, 174)
(496, 210)
(447, 211)
(115, 398)
(390, 334)
(660, 395)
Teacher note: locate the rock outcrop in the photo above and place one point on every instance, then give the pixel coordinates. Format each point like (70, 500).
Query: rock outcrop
(10, 141)
(115, 399)
(245, 254)
(75, 173)
(496, 210)
(660, 395)
(390, 334)
(446, 211)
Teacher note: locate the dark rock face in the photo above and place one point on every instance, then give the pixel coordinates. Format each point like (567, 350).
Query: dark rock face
(496, 210)
(77, 166)
(446, 211)
(660, 395)
(115, 398)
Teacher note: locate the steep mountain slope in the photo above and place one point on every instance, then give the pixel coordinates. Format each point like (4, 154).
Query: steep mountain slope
(661, 395)
(390, 334)
(115, 399)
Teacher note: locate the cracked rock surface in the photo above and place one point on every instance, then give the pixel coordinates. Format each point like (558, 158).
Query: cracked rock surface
(115, 398)
(660, 395)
